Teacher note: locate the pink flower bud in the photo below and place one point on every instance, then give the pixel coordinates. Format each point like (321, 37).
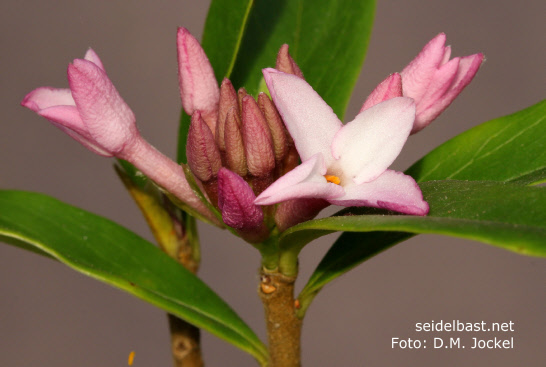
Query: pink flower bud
(198, 86)
(434, 82)
(387, 89)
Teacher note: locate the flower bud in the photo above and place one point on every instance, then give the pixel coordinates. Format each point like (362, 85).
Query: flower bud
(236, 202)
(257, 140)
(198, 86)
(228, 100)
(235, 150)
(286, 63)
(389, 88)
(203, 155)
(276, 126)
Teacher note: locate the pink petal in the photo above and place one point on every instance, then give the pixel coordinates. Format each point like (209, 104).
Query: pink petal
(109, 120)
(305, 181)
(432, 102)
(467, 68)
(67, 118)
(389, 88)
(366, 146)
(45, 97)
(198, 86)
(236, 201)
(392, 190)
(92, 56)
(310, 121)
(418, 74)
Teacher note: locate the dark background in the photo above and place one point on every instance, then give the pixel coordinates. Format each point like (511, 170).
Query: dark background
(53, 316)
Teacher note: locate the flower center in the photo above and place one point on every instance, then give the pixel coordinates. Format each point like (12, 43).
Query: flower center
(333, 179)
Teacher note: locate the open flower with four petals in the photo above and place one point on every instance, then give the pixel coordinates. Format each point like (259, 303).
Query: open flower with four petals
(343, 164)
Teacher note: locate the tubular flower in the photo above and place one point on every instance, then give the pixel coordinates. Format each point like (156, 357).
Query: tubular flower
(431, 79)
(93, 113)
(343, 164)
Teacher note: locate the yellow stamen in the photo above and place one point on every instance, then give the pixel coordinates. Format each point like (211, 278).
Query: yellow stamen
(131, 358)
(332, 179)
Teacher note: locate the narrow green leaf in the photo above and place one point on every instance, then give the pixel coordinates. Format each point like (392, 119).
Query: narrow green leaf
(510, 148)
(327, 38)
(183, 129)
(223, 34)
(506, 215)
(112, 254)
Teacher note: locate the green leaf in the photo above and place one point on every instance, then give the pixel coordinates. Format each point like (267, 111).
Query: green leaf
(506, 215)
(110, 253)
(327, 38)
(223, 34)
(510, 148)
(183, 128)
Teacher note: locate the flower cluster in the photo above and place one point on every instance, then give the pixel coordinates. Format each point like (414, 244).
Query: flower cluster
(244, 152)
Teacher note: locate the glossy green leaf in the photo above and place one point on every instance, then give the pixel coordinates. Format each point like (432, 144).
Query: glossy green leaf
(510, 148)
(223, 34)
(506, 215)
(110, 253)
(327, 38)
(183, 129)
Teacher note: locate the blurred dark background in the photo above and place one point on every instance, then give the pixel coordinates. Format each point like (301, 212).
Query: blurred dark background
(53, 316)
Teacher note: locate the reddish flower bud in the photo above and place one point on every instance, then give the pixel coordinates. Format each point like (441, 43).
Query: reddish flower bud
(292, 212)
(241, 93)
(228, 100)
(276, 126)
(235, 150)
(203, 155)
(236, 201)
(259, 151)
(286, 63)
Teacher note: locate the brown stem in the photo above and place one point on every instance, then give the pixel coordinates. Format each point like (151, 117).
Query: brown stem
(176, 234)
(185, 343)
(283, 326)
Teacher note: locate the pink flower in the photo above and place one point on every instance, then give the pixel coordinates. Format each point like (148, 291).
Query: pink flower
(344, 164)
(198, 87)
(91, 111)
(431, 79)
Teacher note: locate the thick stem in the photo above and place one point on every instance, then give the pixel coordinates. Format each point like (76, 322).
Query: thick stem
(185, 343)
(283, 326)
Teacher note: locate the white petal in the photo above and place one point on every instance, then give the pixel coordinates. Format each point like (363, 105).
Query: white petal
(367, 146)
(310, 121)
(305, 181)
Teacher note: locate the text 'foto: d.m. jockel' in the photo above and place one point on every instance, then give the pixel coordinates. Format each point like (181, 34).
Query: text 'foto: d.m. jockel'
(245, 152)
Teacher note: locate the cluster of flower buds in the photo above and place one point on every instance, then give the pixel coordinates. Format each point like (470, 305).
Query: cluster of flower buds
(237, 146)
